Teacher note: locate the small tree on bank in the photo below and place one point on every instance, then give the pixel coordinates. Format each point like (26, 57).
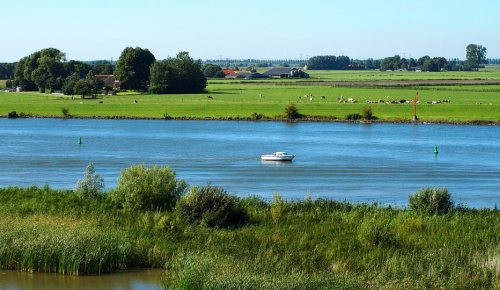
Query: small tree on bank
(91, 185)
(291, 112)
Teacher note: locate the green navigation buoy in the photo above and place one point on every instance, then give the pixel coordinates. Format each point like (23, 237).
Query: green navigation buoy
(436, 149)
(79, 140)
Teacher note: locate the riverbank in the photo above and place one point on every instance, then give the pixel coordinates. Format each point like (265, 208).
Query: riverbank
(267, 119)
(303, 244)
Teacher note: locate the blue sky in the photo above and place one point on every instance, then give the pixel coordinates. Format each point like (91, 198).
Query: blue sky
(273, 29)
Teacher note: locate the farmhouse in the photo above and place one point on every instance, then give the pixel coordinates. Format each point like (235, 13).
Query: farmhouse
(238, 75)
(109, 81)
(285, 72)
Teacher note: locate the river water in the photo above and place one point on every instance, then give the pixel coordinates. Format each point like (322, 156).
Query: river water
(355, 162)
(130, 280)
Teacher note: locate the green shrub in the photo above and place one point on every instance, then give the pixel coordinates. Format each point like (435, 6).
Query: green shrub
(377, 232)
(91, 184)
(256, 116)
(277, 207)
(211, 206)
(431, 200)
(353, 117)
(13, 115)
(367, 113)
(166, 116)
(291, 112)
(65, 112)
(148, 188)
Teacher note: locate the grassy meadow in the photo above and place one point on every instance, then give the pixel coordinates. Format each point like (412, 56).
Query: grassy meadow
(240, 100)
(307, 244)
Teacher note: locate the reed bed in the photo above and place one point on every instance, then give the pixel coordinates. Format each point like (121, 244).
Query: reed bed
(306, 244)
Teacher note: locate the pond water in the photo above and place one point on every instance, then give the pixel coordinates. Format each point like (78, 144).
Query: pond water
(130, 280)
(354, 162)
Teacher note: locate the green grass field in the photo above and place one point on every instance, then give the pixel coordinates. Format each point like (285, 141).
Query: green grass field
(236, 100)
(2, 84)
(239, 99)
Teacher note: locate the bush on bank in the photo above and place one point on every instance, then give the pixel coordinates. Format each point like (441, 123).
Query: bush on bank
(148, 188)
(431, 200)
(211, 206)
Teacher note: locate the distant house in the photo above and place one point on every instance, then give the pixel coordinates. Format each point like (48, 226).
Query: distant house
(285, 72)
(228, 71)
(254, 75)
(109, 81)
(238, 75)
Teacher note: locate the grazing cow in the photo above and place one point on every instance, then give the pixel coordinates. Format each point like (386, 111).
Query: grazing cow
(100, 102)
(135, 102)
(323, 97)
(210, 97)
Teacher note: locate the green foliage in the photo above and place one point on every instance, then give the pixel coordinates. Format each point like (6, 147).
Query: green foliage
(212, 71)
(277, 208)
(42, 69)
(82, 87)
(103, 67)
(65, 112)
(166, 116)
(353, 117)
(317, 244)
(291, 112)
(13, 115)
(148, 188)
(91, 185)
(200, 270)
(328, 62)
(431, 200)
(61, 246)
(211, 206)
(133, 68)
(476, 55)
(367, 113)
(256, 116)
(181, 74)
(377, 232)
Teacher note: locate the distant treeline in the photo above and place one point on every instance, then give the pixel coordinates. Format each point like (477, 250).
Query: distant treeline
(256, 62)
(48, 70)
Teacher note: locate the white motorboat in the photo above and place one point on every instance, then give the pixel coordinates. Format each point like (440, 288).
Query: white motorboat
(277, 156)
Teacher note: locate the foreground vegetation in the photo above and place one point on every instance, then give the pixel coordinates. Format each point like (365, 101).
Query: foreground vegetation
(209, 239)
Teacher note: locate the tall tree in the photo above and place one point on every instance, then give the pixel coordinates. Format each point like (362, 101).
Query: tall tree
(181, 74)
(133, 68)
(43, 69)
(476, 55)
(212, 71)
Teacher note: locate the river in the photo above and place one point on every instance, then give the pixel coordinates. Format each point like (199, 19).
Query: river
(356, 162)
(129, 280)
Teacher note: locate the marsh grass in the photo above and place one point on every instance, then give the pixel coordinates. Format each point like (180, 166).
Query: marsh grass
(314, 244)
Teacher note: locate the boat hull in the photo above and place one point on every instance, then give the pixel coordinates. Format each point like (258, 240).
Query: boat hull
(276, 158)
